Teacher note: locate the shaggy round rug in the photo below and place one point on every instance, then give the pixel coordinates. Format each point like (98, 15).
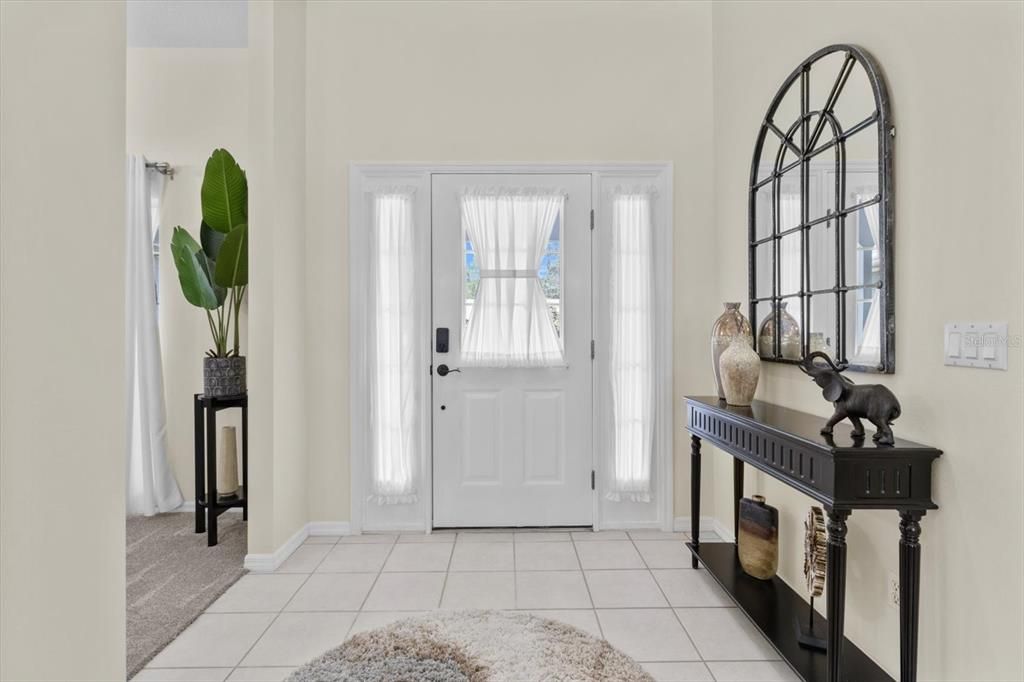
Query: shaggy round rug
(472, 646)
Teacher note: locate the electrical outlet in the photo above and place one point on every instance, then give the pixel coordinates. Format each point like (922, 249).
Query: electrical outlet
(894, 591)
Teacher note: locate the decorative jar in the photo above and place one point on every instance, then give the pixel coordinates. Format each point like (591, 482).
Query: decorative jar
(758, 543)
(728, 326)
(740, 368)
(790, 336)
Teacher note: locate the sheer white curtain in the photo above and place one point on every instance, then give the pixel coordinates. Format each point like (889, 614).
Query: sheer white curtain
(790, 253)
(393, 372)
(632, 346)
(151, 487)
(869, 349)
(510, 324)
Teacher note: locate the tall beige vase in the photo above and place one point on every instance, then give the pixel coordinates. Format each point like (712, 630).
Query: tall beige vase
(727, 327)
(227, 463)
(741, 370)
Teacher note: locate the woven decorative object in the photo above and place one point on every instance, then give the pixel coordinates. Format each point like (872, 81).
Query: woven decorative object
(815, 551)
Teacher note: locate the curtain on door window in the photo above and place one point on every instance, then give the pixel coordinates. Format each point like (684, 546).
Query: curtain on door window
(151, 487)
(632, 346)
(510, 324)
(393, 373)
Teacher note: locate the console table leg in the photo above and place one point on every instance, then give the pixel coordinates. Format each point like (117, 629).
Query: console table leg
(737, 495)
(211, 476)
(910, 592)
(695, 494)
(835, 589)
(199, 439)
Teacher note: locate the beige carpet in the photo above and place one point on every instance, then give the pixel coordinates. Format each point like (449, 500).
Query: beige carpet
(173, 576)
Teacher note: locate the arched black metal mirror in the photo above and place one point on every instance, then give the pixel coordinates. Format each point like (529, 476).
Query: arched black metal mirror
(821, 215)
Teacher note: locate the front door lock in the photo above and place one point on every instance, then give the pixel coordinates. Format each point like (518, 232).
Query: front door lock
(443, 370)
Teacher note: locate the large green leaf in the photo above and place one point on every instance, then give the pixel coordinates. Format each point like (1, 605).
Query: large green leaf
(233, 261)
(209, 267)
(211, 240)
(225, 192)
(194, 271)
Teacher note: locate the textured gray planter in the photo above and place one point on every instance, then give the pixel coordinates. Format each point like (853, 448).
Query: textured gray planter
(223, 376)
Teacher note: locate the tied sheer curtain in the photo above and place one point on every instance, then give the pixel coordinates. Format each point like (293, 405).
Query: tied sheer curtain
(632, 346)
(392, 346)
(151, 488)
(510, 324)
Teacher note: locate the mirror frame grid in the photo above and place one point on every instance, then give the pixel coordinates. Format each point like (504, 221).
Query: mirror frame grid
(884, 200)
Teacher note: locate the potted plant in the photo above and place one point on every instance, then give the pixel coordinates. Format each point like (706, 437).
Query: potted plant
(214, 272)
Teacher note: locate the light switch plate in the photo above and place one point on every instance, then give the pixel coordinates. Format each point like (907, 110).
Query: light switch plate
(976, 344)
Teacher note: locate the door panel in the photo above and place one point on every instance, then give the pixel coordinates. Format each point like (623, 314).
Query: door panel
(511, 444)
(544, 429)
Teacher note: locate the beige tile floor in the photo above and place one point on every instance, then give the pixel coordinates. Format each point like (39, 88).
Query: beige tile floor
(636, 589)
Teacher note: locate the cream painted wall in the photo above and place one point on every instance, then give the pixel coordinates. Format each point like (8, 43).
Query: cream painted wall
(489, 82)
(277, 299)
(958, 250)
(62, 160)
(182, 103)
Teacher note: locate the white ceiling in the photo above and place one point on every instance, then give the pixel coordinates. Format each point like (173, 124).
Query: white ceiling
(188, 23)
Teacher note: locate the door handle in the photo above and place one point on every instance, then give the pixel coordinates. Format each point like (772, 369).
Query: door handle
(443, 371)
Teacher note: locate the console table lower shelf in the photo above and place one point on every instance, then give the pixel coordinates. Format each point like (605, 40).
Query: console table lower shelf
(776, 609)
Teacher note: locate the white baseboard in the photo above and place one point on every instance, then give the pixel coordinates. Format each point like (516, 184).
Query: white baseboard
(329, 528)
(267, 563)
(682, 524)
(724, 531)
(708, 524)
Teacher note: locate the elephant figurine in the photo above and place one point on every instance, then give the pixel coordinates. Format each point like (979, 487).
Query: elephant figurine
(873, 402)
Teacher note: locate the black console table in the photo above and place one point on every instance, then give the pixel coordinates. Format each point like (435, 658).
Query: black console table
(840, 473)
(208, 505)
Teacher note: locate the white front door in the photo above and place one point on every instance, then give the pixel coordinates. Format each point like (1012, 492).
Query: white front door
(511, 271)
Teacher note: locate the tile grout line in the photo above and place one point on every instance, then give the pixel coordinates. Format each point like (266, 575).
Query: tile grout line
(668, 601)
(586, 583)
(279, 612)
(447, 570)
(515, 573)
(380, 572)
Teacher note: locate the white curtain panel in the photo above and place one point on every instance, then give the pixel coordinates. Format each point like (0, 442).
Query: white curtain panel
(510, 324)
(151, 487)
(632, 347)
(789, 254)
(394, 376)
(869, 350)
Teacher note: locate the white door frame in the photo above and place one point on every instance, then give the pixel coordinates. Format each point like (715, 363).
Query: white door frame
(364, 178)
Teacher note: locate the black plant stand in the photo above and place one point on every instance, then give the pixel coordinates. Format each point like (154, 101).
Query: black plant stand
(207, 501)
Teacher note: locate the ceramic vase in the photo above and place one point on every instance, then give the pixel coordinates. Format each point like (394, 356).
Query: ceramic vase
(227, 464)
(728, 326)
(789, 337)
(223, 376)
(740, 368)
(758, 542)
